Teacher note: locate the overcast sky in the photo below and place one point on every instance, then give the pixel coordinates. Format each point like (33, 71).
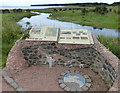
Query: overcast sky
(29, 2)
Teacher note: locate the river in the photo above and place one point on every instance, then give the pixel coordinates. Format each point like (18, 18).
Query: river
(42, 19)
(27, 7)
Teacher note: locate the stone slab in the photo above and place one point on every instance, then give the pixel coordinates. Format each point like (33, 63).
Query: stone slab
(77, 71)
(82, 74)
(86, 76)
(84, 88)
(88, 80)
(21, 90)
(63, 73)
(60, 77)
(67, 71)
(67, 89)
(88, 84)
(73, 89)
(62, 85)
(79, 89)
(72, 70)
(60, 81)
(8, 79)
(14, 85)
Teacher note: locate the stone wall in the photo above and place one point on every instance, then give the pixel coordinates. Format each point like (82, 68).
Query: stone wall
(89, 56)
(112, 60)
(103, 68)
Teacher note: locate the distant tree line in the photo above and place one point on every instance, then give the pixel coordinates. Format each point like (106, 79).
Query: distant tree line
(98, 9)
(115, 4)
(14, 11)
(80, 4)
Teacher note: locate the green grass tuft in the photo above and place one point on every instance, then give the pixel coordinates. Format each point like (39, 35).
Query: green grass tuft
(11, 32)
(111, 43)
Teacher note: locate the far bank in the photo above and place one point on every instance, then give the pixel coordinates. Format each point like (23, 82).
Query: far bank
(101, 17)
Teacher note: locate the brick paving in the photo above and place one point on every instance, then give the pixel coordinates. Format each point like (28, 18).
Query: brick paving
(43, 78)
(11, 84)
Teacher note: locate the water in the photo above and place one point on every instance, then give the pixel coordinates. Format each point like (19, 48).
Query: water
(27, 7)
(42, 20)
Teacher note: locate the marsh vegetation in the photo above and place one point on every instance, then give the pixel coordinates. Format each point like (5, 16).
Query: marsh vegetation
(11, 31)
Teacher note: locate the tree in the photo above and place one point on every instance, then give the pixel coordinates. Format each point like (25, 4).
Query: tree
(101, 10)
(84, 11)
(28, 25)
(110, 10)
(26, 35)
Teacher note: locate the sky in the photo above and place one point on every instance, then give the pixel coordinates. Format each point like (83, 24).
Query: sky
(29, 2)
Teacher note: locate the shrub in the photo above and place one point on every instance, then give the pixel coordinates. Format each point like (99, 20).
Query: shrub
(26, 35)
(101, 10)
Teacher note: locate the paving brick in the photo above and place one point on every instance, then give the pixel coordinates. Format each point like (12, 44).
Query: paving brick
(88, 80)
(62, 85)
(72, 71)
(88, 84)
(79, 89)
(60, 81)
(77, 71)
(67, 71)
(8, 79)
(84, 88)
(60, 77)
(67, 89)
(14, 85)
(21, 90)
(86, 76)
(63, 73)
(73, 89)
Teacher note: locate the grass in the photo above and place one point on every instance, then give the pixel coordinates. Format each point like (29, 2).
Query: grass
(11, 32)
(109, 20)
(113, 44)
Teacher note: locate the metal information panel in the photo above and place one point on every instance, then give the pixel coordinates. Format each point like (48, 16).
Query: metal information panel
(75, 36)
(43, 33)
(68, 36)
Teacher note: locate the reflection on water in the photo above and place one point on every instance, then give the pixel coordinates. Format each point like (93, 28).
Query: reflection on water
(42, 20)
